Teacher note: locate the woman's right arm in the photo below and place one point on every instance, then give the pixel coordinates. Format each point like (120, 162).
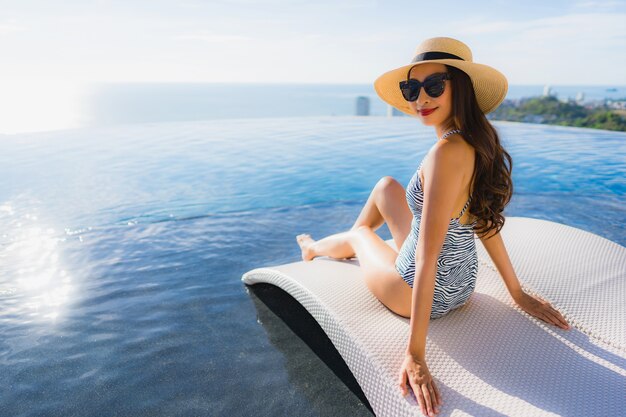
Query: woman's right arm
(443, 183)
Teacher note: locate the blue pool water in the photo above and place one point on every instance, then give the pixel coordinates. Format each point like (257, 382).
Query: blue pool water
(122, 249)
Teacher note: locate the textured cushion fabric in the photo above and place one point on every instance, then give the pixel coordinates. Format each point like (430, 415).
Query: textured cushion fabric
(488, 357)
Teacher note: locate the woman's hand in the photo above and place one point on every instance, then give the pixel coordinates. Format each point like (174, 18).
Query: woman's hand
(541, 309)
(422, 383)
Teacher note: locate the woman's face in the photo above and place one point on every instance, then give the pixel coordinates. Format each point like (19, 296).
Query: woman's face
(441, 104)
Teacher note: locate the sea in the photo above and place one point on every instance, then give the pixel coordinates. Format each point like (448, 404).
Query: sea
(107, 104)
(63, 105)
(123, 242)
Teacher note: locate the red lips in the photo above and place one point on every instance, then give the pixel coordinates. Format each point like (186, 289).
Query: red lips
(426, 112)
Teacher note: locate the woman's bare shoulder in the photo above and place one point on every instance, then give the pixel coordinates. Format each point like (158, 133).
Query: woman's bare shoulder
(455, 153)
(464, 151)
(458, 140)
(451, 148)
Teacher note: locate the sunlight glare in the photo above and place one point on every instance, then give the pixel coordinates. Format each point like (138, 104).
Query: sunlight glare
(32, 268)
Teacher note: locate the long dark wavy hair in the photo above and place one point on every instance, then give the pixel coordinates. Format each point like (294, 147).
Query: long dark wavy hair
(492, 183)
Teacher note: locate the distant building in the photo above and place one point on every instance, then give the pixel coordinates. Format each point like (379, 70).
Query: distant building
(362, 106)
(616, 104)
(393, 112)
(580, 97)
(547, 91)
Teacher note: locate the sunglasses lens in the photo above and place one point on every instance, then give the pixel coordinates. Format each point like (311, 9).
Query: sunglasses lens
(434, 87)
(410, 89)
(406, 90)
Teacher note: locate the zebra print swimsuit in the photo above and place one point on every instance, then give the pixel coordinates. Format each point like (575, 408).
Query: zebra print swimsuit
(457, 265)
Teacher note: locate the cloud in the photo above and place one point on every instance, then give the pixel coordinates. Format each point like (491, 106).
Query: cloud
(367, 38)
(482, 27)
(581, 25)
(590, 28)
(213, 38)
(10, 27)
(597, 5)
(595, 30)
(298, 4)
(560, 50)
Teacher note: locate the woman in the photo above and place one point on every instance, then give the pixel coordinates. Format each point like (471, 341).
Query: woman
(460, 189)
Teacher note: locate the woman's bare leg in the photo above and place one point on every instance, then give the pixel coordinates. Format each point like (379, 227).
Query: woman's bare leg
(336, 246)
(376, 259)
(370, 214)
(386, 203)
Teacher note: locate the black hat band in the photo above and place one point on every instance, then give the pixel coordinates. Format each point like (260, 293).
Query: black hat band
(426, 56)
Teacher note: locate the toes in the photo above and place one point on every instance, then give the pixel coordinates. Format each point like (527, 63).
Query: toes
(302, 236)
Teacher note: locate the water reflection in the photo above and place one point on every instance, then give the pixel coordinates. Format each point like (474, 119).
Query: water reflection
(34, 283)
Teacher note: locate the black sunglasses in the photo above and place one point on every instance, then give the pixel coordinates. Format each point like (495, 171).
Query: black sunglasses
(434, 86)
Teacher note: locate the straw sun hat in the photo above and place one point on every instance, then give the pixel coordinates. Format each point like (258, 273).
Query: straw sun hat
(490, 85)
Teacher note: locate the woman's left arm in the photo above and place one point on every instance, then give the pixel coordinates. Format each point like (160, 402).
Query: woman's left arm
(535, 306)
(497, 252)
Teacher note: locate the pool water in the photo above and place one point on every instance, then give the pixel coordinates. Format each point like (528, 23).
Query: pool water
(122, 250)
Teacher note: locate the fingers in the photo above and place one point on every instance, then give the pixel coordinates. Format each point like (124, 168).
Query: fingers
(560, 318)
(402, 382)
(434, 396)
(426, 393)
(419, 395)
(550, 315)
(427, 399)
(557, 319)
(550, 318)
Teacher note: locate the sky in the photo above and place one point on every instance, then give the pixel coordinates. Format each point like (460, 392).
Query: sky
(50, 48)
(325, 41)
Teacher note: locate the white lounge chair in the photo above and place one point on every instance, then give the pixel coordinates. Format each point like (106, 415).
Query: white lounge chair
(488, 357)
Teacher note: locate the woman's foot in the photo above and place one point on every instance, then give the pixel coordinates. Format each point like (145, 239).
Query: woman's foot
(305, 241)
